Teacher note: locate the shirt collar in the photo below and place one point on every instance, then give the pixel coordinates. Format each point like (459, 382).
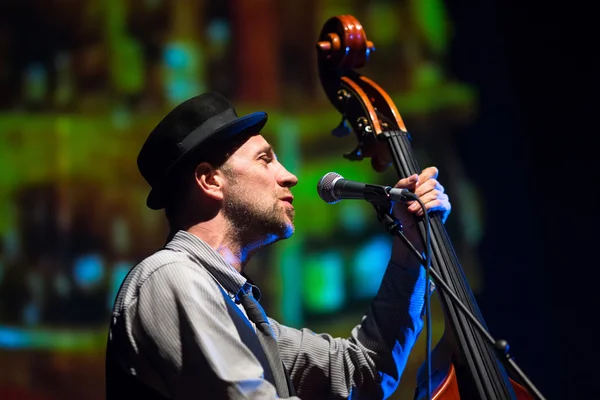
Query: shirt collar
(215, 264)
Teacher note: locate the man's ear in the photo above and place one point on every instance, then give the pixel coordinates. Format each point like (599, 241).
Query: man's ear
(209, 180)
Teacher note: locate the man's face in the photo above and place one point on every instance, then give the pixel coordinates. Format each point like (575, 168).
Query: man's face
(257, 198)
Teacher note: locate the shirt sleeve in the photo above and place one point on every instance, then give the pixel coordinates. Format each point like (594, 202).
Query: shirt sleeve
(369, 363)
(196, 345)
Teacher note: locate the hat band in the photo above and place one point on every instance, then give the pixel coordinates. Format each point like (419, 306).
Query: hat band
(207, 128)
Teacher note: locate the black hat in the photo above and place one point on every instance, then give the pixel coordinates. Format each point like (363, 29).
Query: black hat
(185, 132)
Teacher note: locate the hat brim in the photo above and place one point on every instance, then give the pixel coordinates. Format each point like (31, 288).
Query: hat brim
(249, 123)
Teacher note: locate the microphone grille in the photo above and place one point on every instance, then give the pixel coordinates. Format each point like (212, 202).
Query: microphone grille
(325, 187)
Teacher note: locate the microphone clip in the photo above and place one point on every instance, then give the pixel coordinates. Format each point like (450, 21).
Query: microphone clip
(390, 223)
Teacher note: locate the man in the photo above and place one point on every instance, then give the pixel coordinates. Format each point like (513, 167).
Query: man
(186, 323)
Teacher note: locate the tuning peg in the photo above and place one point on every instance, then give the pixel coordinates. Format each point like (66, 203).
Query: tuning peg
(370, 48)
(332, 44)
(354, 155)
(324, 46)
(342, 129)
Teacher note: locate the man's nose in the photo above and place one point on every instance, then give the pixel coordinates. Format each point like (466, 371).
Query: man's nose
(287, 179)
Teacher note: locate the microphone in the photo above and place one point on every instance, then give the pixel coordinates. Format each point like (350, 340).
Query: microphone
(332, 187)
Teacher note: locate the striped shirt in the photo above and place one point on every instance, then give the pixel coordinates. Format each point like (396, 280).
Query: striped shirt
(173, 334)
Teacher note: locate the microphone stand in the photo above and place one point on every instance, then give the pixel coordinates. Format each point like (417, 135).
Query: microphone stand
(501, 346)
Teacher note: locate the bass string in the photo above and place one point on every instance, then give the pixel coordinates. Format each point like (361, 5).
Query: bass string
(488, 375)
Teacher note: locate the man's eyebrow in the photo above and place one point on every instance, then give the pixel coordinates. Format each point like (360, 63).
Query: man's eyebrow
(266, 149)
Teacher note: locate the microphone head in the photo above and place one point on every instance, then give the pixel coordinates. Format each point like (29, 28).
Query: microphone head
(326, 185)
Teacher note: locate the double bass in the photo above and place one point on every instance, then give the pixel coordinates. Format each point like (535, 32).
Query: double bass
(464, 362)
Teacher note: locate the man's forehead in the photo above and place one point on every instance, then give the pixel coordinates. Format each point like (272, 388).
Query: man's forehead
(256, 142)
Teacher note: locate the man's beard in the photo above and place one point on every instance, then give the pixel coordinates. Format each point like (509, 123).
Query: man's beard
(254, 224)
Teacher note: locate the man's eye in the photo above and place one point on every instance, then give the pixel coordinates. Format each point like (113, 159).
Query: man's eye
(266, 158)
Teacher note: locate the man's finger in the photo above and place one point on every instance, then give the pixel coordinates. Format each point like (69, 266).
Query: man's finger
(407, 182)
(427, 173)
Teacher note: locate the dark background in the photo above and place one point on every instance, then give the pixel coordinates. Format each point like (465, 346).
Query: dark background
(536, 64)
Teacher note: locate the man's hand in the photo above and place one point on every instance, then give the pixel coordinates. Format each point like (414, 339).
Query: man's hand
(429, 190)
(431, 193)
